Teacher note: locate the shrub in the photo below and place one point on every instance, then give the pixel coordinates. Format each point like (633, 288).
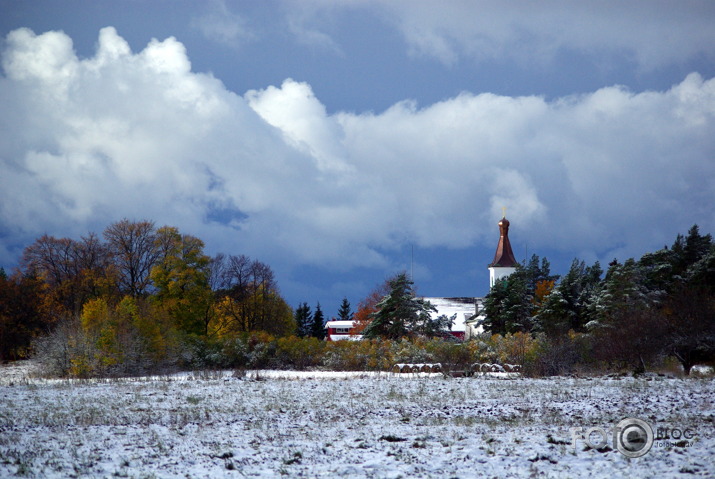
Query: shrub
(299, 353)
(415, 351)
(67, 351)
(452, 356)
(364, 355)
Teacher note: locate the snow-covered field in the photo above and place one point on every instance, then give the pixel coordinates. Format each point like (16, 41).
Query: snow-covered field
(279, 424)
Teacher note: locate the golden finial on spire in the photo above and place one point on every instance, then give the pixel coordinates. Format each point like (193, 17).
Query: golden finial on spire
(503, 211)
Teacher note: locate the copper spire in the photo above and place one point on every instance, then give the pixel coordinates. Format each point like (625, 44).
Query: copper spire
(504, 257)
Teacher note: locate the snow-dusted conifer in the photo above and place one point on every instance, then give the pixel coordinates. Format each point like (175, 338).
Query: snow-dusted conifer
(400, 312)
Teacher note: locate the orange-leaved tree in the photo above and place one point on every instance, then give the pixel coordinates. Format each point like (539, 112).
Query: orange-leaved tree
(368, 306)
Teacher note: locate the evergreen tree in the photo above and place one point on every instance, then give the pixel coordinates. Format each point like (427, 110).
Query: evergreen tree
(622, 291)
(318, 326)
(508, 306)
(696, 246)
(536, 271)
(400, 312)
(303, 320)
(688, 250)
(661, 268)
(627, 325)
(344, 313)
(702, 273)
(511, 304)
(566, 308)
(690, 314)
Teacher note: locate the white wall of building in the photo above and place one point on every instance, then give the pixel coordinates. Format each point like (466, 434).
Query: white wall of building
(497, 273)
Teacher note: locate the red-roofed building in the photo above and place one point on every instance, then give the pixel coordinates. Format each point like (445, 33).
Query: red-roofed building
(504, 262)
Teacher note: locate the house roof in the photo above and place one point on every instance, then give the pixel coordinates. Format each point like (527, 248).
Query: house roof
(504, 256)
(339, 324)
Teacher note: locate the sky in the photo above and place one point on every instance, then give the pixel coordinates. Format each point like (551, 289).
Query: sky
(344, 142)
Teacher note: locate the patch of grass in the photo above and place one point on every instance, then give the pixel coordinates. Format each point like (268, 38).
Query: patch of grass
(295, 459)
(551, 440)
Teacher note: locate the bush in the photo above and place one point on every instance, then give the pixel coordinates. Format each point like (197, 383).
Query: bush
(364, 355)
(203, 352)
(72, 350)
(452, 356)
(415, 351)
(299, 353)
(67, 352)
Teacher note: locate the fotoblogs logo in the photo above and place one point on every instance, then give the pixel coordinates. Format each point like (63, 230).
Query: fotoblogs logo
(631, 437)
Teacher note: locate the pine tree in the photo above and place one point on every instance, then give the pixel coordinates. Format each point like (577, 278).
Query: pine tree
(344, 313)
(400, 312)
(318, 326)
(534, 273)
(509, 304)
(690, 313)
(696, 246)
(688, 250)
(303, 320)
(627, 325)
(566, 308)
(702, 273)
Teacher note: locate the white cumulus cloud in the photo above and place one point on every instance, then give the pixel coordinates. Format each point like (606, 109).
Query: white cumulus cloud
(271, 174)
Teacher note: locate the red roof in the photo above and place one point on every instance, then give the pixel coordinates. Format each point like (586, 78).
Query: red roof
(504, 256)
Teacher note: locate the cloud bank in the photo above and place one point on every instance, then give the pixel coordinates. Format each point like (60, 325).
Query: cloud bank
(88, 141)
(648, 34)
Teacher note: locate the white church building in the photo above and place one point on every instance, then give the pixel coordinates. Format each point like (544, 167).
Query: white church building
(467, 311)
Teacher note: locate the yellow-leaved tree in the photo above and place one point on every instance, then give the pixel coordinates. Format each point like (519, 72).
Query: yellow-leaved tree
(181, 279)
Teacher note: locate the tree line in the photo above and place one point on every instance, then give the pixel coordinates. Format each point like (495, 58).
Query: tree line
(638, 313)
(135, 288)
(140, 297)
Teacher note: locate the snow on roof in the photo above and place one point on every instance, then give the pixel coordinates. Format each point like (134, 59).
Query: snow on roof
(464, 308)
(339, 324)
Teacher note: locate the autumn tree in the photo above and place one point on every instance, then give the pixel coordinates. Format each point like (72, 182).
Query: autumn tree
(129, 337)
(73, 271)
(181, 279)
(133, 246)
(250, 300)
(368, 305)
(21, 317)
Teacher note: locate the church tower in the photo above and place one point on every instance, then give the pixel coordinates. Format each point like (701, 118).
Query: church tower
(504, 262)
